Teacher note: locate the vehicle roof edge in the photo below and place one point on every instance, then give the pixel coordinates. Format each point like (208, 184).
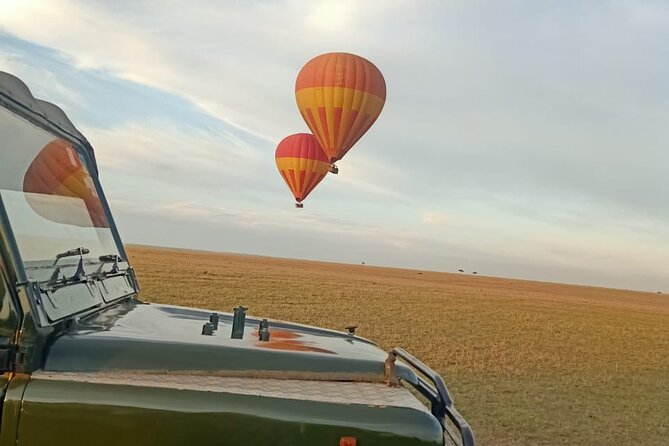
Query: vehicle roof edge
(15, 95)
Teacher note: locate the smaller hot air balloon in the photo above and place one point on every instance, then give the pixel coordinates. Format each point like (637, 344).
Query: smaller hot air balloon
(302, 164)
(57, 170)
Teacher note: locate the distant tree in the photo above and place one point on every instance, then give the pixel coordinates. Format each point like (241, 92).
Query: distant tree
(474, 272)
(363, 263)
(461, 270)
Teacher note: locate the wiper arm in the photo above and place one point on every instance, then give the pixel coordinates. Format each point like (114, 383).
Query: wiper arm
(110, 258)
(71, 253)
(80, 274)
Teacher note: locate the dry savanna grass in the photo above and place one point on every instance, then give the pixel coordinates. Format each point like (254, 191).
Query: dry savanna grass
(527, 362)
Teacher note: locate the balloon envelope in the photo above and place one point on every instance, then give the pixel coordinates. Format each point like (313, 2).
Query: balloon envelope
(339, 95)
(57, 170)
(302, 163)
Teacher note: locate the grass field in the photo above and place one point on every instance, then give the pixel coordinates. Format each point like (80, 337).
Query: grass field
(528, 363)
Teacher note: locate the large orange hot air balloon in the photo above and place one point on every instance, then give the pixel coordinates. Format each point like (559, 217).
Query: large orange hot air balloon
(302, 164)
(339, 95)
(57, 170)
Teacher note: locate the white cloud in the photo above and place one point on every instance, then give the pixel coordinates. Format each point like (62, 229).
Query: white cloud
(139, 147)
(332, 16)
(308, 223)
(436, 218)
(507, 116)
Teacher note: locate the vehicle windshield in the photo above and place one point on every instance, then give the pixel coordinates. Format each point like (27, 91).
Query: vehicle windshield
(49, 196)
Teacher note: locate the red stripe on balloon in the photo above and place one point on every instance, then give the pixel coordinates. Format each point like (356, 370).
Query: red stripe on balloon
(301, 145)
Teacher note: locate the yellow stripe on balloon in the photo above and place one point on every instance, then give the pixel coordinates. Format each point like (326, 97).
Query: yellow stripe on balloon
(314, 171)
(289, 162)
(339, 97)
(337, 134)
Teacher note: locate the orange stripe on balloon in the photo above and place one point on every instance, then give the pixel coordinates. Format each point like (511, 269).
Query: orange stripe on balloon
(341, 70)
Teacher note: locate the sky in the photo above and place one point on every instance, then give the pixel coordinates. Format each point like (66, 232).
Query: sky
(518, 139)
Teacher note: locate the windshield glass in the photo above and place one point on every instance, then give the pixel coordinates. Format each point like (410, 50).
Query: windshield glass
(49, 196)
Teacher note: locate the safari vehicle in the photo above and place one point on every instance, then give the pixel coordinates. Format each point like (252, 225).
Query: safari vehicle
(86, 362)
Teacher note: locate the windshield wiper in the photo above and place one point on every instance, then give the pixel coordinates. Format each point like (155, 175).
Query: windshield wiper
(79, 275)
(59, 280)
(110, 258)
(71, 253)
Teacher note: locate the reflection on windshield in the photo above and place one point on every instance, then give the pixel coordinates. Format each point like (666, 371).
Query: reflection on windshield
(57, 170)
(49, 195)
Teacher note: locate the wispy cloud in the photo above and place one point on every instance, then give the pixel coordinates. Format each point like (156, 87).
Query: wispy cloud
(154, 148)
(436, 218)
(511, 132)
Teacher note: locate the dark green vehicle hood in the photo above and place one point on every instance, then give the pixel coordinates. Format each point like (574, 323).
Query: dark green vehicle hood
(137, 336)
(129, 375)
